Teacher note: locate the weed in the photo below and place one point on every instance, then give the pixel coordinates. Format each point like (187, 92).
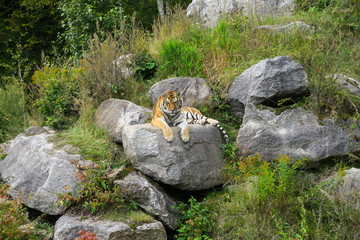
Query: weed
(87, 236)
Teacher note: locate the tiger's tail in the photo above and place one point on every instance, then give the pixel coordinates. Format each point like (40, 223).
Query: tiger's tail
(222, 130)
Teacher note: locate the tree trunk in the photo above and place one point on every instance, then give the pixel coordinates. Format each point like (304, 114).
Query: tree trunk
(160, 5)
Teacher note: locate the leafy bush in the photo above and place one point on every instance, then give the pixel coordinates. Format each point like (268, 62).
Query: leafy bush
(58, 89)
(96, 190)
(195, 221)
(12, 113)
(145, 66)
(83, 18)
(180, 59)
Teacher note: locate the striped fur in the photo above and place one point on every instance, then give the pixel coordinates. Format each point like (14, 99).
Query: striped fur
(169, 111)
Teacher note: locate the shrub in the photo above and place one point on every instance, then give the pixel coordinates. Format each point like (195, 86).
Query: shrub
(12, 113)
(96, 190)
(195, 221)
(58, 90)
(83, 18)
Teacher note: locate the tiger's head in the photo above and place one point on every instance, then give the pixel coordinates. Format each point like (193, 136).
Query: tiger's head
(171, 103)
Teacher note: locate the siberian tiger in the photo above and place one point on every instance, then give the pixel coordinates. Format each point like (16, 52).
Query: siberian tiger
(168, 111)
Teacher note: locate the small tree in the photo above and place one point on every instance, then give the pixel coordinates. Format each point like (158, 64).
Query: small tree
(82, 18)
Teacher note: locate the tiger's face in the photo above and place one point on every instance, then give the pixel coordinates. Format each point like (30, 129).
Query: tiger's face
(171, 103)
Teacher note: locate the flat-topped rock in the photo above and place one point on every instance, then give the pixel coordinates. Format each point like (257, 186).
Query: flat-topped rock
(188, 166)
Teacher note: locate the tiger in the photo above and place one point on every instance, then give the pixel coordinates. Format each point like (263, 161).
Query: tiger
(169, 111)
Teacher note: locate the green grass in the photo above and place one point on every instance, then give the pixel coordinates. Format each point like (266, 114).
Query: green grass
(12, 113)
(133, 218)
(277, 201)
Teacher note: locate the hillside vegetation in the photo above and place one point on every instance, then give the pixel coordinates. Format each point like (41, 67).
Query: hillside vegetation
(278, 200)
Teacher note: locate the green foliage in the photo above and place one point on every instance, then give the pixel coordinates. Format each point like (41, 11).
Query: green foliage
(180, 59)
(231, 47)
(12, 104)
(145, 66)
(277, 184)
(27, 29)
(82, 18)
(195, 222)
(58, 89)
(12, 216)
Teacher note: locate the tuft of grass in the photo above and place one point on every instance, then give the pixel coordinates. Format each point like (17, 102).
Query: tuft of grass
(92, 142)
(133, 218)
(179, 59)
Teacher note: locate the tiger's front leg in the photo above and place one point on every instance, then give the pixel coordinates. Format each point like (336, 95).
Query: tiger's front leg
(184, 126)
(158, 122)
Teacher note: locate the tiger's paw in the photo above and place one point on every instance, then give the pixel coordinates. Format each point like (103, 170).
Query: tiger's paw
(185, 138)
(168, 135)
(185, 135)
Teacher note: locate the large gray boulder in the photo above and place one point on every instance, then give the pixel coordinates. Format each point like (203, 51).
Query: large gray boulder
(194, 91)
(210, 11)
(154, 201)
(194, 165)
(114, 114)
(295, 133)
(67, 228)
(37, 172)
(266, 82)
